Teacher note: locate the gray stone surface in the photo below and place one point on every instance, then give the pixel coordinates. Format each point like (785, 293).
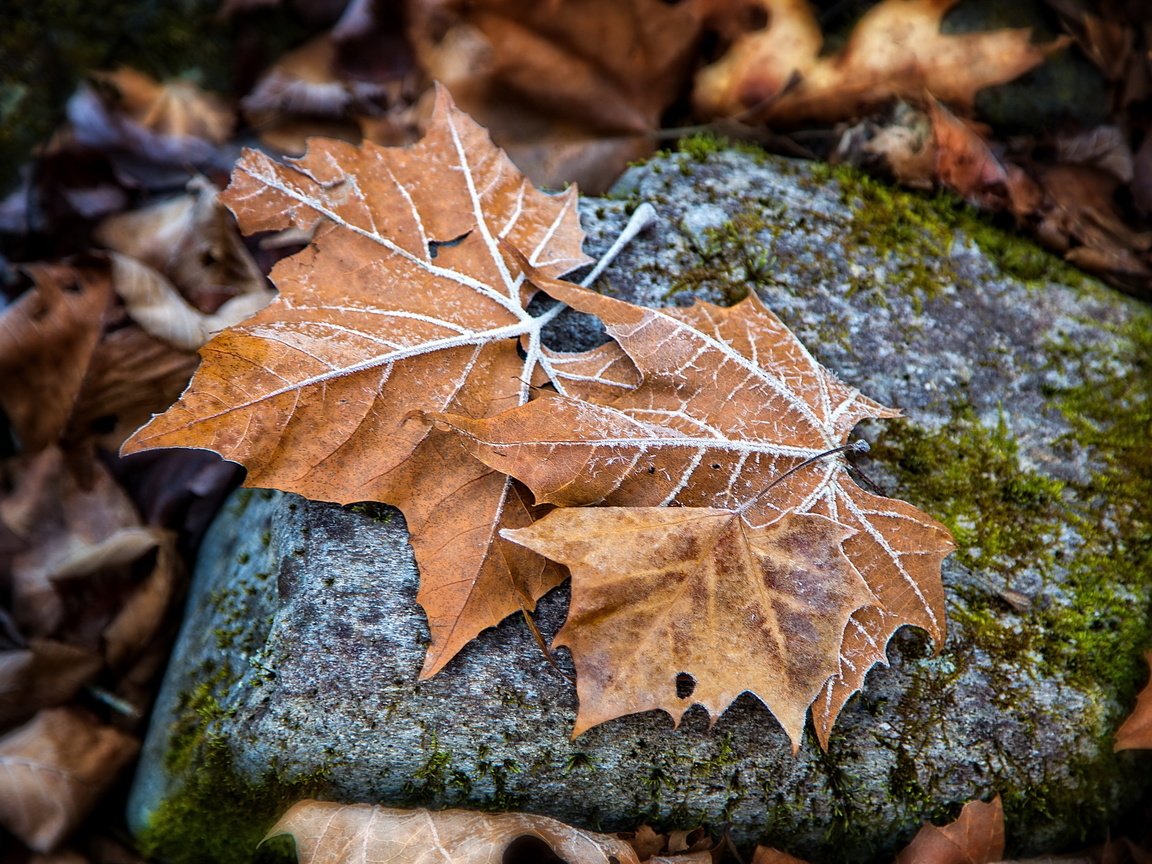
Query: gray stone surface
(1027, 402)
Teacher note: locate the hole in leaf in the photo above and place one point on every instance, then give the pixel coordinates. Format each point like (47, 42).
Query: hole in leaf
(685, 685)
(527, 849)
(715, 466)
(651, 469)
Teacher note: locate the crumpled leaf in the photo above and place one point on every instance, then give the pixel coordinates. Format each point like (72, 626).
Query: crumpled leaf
(305, 81)
(571, 90)
(138, 620)
(976, 837)
(896, 50)
(327, 833)
(966, 164)
(154, 304)
(172, 122)
(728, 403)
(403, 303)
(53, 770)
(1136, 731)
(42, 674)
(47, 340)
(659, 593)
(70, 527)
(679, 845)
(74, 369)
(192, 240)
(1070, 207)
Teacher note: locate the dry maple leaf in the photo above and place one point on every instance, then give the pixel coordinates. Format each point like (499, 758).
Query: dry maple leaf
(327, 833)
(729, 402)
(1136, 731)
(896, 49)
(663, 592)
(976, 837)
(403, 303)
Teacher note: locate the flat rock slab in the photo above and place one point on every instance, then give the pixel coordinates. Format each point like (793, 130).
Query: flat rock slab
(1028, 398)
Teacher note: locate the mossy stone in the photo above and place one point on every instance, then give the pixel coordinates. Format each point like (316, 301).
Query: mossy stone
(1028, 404)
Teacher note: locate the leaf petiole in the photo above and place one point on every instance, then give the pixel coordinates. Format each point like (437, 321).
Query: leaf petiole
(858, 446)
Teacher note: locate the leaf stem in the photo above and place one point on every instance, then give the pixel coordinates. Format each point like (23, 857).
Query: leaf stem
(641, 218)
(859, 446)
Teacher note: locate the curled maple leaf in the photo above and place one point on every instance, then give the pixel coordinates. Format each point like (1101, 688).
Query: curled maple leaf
(403, 303)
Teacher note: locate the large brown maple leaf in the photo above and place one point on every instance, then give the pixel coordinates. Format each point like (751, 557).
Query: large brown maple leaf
(659, 593)
(402, 303)
(728, 404)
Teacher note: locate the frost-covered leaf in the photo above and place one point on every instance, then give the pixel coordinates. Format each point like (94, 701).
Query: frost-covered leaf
(403, 303)
(729, 402)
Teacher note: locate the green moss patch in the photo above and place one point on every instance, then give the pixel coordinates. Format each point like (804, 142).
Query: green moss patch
(215, 816)
(703, 145)
(1086, 542)
(732, 259)
(1008, 519)
(917, 232)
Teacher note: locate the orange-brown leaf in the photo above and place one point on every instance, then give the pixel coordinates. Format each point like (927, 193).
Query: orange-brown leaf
(47, 341)
(896, 49)
(976, 837)
(728, 402)
(663, 592)
(328, 833)
(403, 303)
(1136, 732)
